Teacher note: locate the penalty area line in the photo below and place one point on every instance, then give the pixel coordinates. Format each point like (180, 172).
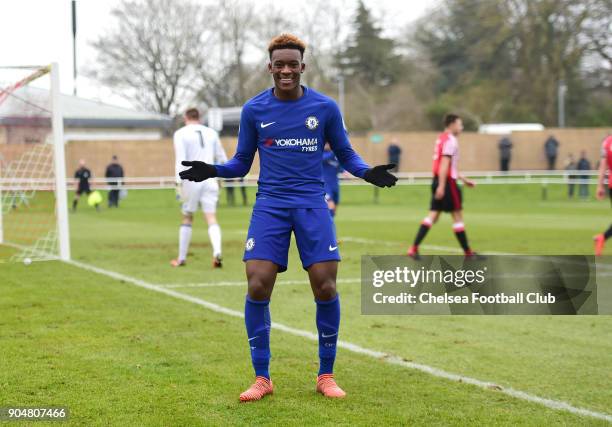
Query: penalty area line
(354, 348)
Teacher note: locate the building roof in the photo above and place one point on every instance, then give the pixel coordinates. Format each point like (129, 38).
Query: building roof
(31, 104)
(224, 120)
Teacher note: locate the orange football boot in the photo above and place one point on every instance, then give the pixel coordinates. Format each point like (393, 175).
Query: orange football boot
(177, 263)
(261, 387)
(326, 385)
(413, 253)
(600, 242)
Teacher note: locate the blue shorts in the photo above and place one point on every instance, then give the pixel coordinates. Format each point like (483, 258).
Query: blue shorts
(270, 230)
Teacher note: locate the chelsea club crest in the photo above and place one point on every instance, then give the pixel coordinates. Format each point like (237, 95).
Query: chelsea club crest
(312, 122)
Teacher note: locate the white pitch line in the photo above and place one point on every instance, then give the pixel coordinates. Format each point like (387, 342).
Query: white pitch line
(460, 251)
(397, 243)
(243, 283)
(368, 241)
(358, 280)
(392, 243)
(355, 348)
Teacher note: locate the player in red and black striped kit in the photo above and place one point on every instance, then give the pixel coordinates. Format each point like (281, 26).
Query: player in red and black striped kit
(446, 194)
(605, 165)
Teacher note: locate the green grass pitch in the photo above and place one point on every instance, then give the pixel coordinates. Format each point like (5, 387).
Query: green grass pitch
(117, 354)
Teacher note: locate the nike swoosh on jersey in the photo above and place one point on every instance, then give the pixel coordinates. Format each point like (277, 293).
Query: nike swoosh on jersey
(332, 248)
(265, 125)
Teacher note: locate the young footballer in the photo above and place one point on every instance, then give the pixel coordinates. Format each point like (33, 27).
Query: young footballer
(83, 174)
(288, 125)
(446, 194)
(196, 142)
(605, 165)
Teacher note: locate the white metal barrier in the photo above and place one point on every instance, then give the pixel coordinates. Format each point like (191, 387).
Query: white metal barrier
(543, 177)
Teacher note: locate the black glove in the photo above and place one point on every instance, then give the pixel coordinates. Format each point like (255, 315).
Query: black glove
(199, 171)
(379, 176)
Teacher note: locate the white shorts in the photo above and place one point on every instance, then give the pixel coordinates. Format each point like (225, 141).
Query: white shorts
(206, 193)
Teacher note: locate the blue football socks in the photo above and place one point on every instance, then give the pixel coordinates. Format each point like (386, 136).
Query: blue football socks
(328, 323)
(257, 320)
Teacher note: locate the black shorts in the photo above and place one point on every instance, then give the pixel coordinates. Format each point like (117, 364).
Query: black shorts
(82, 190)
(452, 200)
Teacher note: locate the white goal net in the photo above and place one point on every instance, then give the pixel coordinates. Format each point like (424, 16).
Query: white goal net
(33, 214)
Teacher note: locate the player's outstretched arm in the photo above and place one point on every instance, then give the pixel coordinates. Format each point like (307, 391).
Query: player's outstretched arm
(199, 171)
(380, 176)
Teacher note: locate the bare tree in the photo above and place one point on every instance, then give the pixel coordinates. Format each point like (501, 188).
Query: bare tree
(149, 57)
(235, 23)
(323, 25)
(241, 31)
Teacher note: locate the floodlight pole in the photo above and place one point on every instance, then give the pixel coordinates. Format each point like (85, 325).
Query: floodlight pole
(561, 91)
(1, 205)
(74, 60)
(59, 162)
(341, 93)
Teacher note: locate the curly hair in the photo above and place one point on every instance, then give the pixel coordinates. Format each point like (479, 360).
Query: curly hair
(286, 41)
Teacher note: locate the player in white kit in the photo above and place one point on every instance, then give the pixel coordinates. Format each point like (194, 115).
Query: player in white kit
(195, 141)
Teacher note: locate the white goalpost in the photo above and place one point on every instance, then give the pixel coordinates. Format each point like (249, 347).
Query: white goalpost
(33, 199)
(1, 208)
(61, 199)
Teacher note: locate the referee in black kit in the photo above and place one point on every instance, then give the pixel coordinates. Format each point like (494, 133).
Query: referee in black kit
(82, 174)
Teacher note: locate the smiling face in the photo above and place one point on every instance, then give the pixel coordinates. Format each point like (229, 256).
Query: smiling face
(286, 67)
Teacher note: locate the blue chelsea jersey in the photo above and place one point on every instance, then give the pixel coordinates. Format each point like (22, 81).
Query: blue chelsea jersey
(290, 136)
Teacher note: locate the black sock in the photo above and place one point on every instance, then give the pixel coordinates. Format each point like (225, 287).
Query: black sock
(74, 204)
(459, 230)
(608, 233)
(462, 237)
(423, 229)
